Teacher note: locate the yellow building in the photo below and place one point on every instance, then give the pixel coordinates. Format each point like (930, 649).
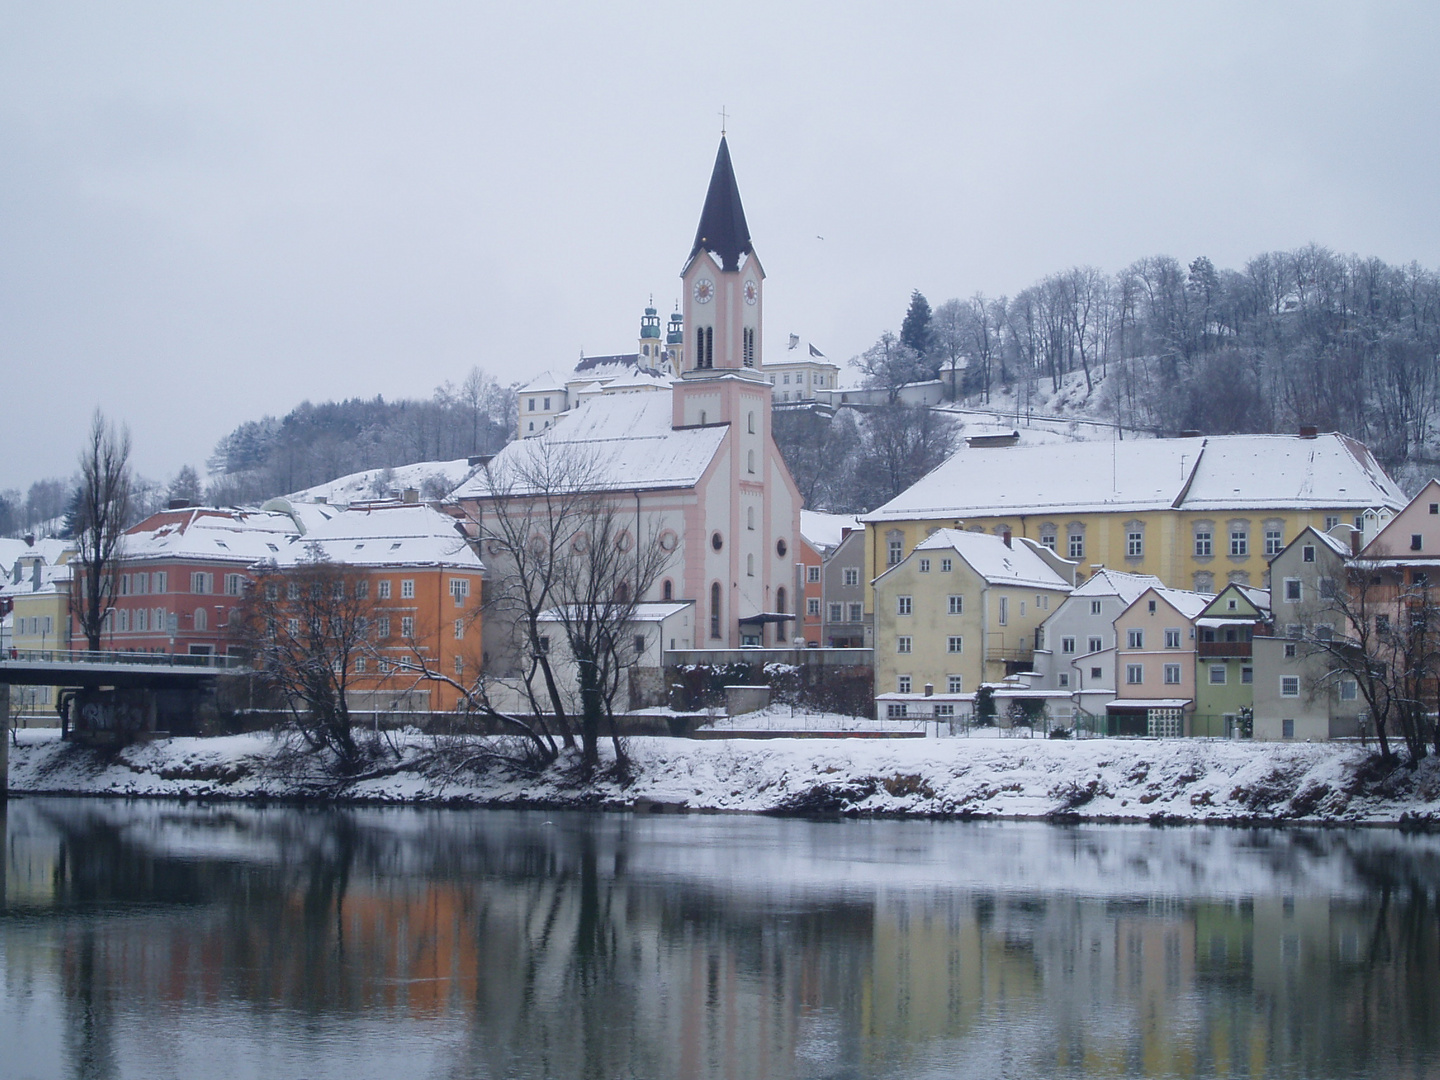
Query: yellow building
(1198, 513)
(961, 609)
(40, 619)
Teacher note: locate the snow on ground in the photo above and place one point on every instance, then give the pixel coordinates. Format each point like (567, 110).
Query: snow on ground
(380, 483)
(1098, 779)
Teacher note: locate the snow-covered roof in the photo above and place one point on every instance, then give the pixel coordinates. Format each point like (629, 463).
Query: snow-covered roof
(645, 612)
(50, 549)
(398, 534)
(1189, 604)
(1215, 473)
(546, 380)
(50, 579)
(824, 531)
(998, 563)
(211, 534)
(379, 483)
(1148, 703)
(620, 443)
(1127, 586)
(794, 349)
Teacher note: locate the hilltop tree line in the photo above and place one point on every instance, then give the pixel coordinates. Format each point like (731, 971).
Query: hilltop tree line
(1300, 337)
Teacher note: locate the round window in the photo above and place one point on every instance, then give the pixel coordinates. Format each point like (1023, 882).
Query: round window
(781, 547)
(668, 540)
(716, 542)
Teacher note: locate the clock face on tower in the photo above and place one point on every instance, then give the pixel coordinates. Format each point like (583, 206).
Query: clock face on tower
(752, 292)
(704, 290)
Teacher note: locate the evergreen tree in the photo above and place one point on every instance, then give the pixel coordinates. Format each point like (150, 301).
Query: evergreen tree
(915, 331)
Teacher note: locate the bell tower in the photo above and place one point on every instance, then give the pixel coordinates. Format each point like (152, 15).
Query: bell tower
(649, 350)
(723, 284)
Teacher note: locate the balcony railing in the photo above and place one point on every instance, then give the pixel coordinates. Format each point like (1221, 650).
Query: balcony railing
(1219, 649)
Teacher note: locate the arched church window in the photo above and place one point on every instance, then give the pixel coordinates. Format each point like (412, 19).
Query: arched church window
(751, 418)
(780, 600)
(667, 590)
(750, 461)
(715, 608)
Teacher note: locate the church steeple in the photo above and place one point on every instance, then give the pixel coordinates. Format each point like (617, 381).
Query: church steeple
(722, 230)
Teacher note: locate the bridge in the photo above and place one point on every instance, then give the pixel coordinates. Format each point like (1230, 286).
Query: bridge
(131, 674)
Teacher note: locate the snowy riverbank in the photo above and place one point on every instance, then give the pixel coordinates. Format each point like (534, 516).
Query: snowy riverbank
(1102, 779)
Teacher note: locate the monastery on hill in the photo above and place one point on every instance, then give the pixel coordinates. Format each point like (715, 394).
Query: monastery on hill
(690, 453)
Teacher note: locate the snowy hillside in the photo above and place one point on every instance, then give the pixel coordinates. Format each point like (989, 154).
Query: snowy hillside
(433, 479)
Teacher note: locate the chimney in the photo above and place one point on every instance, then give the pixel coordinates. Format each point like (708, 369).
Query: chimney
(321, 500)
(29, 539)
(411, 495)
(1309, 431)
(1006, 537)
(929, 689)
(179, 504)
(1355, 536)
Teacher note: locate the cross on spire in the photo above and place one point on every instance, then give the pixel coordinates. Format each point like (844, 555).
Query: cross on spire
(724, 116)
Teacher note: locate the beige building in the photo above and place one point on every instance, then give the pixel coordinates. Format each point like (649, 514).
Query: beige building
(962, 609)
(1198, 513)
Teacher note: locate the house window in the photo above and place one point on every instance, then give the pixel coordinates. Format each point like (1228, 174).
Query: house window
(1135, 639)
(1287, 728)
(234, 584)
(902, 684)
(957, 605)
(1095, 607)
(1349, 690)
(639, 642)
(1151, 607)
(852, 576)
(857, 612)
(903, 643)
(1203, 543)
(530, 405)
(1077, 545)
(1094, 644)
(407, 589)
(200, 620)
(292, 627)
(895, 710)
(1067, 644)
(1004, 610)
(459, 665)
(1239, 542)
(812, 574)
(1134, 544)
(1134, 674)
(1331, 520)
(1292, 590)
(955, 644)
(1172, 674)
(1047, 539)
(1064, 679)
(946, 565)
(1290, 686)
(1416, 541)
(407, 627)
(1097, 673)
(1172, 639)
(836, 612)
(954, 684)
(895, 548)
(459, 629)
(382, 627)
(547, 404)
(382, 590)
(1247, 675)
(812, 607)
(1290, 651)
(924, 566)
(199, 583)
(1273, 544)
(1307, 553)
(1217, 674)
(1382, 624)
(460, 590)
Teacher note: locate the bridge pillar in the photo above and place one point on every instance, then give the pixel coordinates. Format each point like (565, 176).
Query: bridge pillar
(4, 743)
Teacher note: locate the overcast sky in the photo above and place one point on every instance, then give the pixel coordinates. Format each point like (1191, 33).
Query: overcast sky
(210, 212)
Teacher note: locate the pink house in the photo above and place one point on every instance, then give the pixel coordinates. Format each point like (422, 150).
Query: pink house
(1155, 663)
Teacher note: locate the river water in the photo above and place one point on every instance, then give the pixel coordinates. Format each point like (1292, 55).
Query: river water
(163, 940)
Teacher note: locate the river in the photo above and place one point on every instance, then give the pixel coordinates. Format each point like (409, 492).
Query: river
(157, 939)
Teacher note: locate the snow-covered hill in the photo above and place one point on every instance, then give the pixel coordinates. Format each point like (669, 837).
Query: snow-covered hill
(433, 479)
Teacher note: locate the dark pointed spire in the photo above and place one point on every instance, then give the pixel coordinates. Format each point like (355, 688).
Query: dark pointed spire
(722, 223)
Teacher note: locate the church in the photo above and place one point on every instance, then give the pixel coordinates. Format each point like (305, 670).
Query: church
(695, 463)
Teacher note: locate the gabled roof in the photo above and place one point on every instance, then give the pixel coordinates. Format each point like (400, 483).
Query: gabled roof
(1107, 582)
(210, 534)
(722, 229)
(1217, 473)
(1339, 547)
(824, 531)
(404, 534)
(619, 443)
(1256, 600)
(1187, 603)
(992, 559)
(1392, 541)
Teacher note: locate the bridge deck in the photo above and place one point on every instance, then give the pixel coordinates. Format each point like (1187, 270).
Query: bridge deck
(77, 667)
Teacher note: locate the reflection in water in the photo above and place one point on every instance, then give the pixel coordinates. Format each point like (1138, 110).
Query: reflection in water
(157, 940)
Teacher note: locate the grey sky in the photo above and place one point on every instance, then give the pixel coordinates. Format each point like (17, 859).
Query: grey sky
(210, 212)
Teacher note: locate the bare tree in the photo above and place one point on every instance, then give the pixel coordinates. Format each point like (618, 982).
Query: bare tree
(102, 512)
(564, 551)
(307, 625)
(1373, 626)
(901, 444)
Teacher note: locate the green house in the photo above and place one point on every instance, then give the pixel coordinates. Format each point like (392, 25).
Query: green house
(1224, 663)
